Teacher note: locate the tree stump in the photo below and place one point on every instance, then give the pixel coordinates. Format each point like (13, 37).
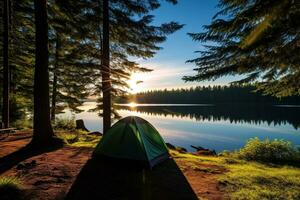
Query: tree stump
(80, 125)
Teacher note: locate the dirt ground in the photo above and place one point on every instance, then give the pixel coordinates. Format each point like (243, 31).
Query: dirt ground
(50, 175)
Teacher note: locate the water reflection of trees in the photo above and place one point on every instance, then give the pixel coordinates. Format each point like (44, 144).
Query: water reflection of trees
(233, 113)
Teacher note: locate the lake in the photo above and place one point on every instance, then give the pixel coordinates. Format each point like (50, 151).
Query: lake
(225, 127)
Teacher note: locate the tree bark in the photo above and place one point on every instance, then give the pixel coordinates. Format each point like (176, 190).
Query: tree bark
(6, 72)
(105, 71)
(42, 130)
(54, 84)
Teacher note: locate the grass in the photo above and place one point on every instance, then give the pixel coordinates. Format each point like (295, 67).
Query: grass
(79, 138)
(65, 130)
(10, 188)
(249, 179)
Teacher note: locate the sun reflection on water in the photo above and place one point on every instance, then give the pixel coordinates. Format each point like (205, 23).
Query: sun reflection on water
(132, 104)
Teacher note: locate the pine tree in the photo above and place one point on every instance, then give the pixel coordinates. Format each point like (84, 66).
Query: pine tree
(131, 35)
(105, 69)
(256, 39)
(21, 58)
(69, 81)
(75, 37)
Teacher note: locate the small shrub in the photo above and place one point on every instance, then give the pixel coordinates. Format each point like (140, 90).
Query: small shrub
(225, 153)
(276, 151)
(10, 188)
(64, 123)
(23, 124)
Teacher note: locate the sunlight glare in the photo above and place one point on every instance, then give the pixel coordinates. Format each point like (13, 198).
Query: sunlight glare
(136, 82)
(132, 104)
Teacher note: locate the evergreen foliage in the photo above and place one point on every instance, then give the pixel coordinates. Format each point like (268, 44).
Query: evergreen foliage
(257, 114)
(256, 39)
(233, 94)
(131, 35)
(21, 56)
(75, 40)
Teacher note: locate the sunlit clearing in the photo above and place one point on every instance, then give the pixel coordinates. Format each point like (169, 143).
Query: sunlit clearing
(136, 82)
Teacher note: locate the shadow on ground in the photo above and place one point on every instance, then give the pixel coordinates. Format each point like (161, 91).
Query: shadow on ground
(22, 154)
(114, 180)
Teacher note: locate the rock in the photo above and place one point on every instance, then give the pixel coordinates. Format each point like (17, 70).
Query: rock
(181, 149)
(95, 133)
(32, 163)
(80, 125)
(170, 146)
(21, 166)
(27, 165)
(203, 151)
(206, 152)
(198, 148)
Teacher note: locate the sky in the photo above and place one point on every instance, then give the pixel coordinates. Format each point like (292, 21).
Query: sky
(169, 64)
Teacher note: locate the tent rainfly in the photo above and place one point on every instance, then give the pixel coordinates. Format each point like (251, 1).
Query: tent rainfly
(133, 138)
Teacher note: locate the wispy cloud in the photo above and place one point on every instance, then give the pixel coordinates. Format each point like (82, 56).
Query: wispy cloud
(167, 75)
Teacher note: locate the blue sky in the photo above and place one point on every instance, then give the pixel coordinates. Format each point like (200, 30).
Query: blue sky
(169, 64)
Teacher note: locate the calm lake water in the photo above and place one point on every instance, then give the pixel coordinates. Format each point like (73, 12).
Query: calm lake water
(215, 127)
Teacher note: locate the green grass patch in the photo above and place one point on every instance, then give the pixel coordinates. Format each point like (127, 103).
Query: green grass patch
(79, 138)
(195, 158)
(10, 188)
(249, 180)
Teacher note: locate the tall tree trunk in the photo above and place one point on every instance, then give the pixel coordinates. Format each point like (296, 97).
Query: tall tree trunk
(105, 71)
(54, 84)
(42, 130)
(6, 73)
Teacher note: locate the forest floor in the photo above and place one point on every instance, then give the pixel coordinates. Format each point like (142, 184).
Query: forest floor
(69, 172)
(50, 175)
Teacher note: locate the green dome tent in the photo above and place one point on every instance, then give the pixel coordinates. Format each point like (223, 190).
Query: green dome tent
(133, 138)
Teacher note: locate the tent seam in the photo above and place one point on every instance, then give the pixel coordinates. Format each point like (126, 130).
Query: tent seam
(147, 157)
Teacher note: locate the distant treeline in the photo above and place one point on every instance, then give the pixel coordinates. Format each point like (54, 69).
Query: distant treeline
(252, 114)
(208, 95)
